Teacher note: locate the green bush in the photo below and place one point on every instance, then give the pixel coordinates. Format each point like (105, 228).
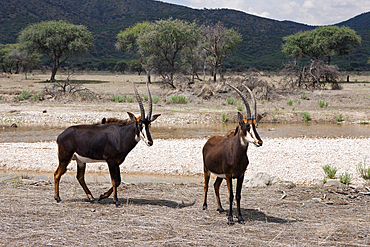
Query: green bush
(179, 99)
(230, 101)
(330, 171)
(290, 102)
(264, 101)
(339, 118)
(240, 107)
(24, 95)
(224, 117)
(322, 103)
(117, 98)
(155, 99)
(306, 116)
(304, 96)
(129, 99)
(37, 97)
(363, 170)
(345, 178)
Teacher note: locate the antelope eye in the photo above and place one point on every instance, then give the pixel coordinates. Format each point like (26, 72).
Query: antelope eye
(248, 127)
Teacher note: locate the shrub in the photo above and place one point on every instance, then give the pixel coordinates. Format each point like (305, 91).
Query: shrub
(164, 100)
(339, 118)
(224, 117)
(330, 171)
(146, 97)
(117, 98)
(306, 116)
(129, 99)
(304, 96)
(155, 99)
(322, 103)
(363, 170)
(264, 101)
(178, 99)
(290, 102)
(345, 178)
(37, 97)
(230, 101)
(24, 95)
(240, 107)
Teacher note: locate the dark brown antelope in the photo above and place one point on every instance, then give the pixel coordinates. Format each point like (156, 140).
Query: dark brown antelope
(226, 157)
(109, 141)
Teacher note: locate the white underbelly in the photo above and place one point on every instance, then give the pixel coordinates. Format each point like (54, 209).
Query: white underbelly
(219, 175)
(84, 159)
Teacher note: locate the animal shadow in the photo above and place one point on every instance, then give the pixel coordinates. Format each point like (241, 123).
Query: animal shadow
(134, 201)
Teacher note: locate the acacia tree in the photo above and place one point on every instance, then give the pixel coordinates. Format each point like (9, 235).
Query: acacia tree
(127, 40)
(219, 42)
(59, 40)
(321, 43)
(162, 43)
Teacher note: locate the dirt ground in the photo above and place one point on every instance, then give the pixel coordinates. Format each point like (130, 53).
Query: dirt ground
(352, 101)
(170, 214)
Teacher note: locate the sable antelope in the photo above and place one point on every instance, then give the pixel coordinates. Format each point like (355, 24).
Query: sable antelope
(109, 141)
(226, 157)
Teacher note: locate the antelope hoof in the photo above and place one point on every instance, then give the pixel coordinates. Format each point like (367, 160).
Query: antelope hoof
(57, 199)
(230, 221)
(220, 210)
(102, 196)
(204, 206)
(91, 200)
(240, 220)
(117, 203)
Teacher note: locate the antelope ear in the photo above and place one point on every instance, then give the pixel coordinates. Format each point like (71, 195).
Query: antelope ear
(154, 117)
(132, 116)
(240, 118)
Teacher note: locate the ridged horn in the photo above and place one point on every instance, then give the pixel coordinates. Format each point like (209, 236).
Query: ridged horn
(142, 111)
(254, 115)
(150, 102)
(244, 99)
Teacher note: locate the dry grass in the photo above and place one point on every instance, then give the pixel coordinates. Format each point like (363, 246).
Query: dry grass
(169, 214)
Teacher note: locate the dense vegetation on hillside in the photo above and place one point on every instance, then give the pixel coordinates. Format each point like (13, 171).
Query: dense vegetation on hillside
(260, 48)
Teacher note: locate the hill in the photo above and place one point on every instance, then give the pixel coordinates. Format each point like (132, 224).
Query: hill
(262, 37)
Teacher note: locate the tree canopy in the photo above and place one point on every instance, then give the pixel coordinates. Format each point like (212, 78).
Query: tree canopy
(219, 42)
(322, 43)
(59, 40)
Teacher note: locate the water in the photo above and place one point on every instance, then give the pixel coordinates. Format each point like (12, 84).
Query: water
(183, 131)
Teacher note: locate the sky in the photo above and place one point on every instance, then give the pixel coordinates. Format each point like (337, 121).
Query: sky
(311, 12)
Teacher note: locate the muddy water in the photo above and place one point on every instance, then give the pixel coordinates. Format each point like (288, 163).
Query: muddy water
(180, 131)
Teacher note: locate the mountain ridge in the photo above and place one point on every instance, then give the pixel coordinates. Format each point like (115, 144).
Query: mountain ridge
(262, 37)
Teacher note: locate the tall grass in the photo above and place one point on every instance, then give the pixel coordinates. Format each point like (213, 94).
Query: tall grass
(179, 99)
(24, 95)
(330, 172)
(306, 116)
(224, 117)
(363, 170)
(230, 101)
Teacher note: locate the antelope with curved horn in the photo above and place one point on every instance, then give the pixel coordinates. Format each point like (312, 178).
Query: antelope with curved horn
(226, 157)
(109, 141)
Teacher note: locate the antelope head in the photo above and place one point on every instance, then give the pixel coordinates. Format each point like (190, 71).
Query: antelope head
(143, 122)
(248, 126)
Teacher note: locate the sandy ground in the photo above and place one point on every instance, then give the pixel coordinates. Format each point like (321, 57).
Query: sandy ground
(167, 212)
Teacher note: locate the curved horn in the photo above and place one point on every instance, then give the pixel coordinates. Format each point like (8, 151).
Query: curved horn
(150, 102)
(142, 112)
(244, 99)
(254, 116)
